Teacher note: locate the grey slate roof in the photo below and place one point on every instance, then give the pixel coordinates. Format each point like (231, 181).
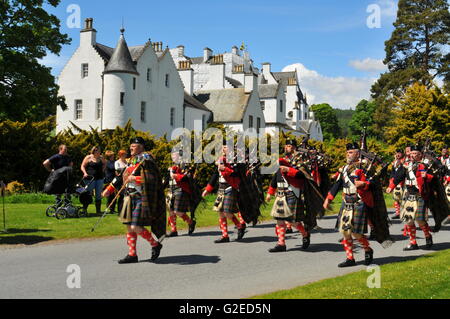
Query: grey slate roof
(267, 91)
(193, 102)
(227, 105)
(121, 60)
(282, 77)
(234, 83)
(106, 52)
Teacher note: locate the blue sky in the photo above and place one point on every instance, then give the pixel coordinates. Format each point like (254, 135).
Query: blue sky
(336, 54)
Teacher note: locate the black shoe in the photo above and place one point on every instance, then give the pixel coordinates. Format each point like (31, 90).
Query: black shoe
(222, 240)
(192, 227)
(347, 263)
(396, 217)
(277, 249)
(429, 241)
(241, 232)
(173, 234)
(129, 260)
(368, 257)
(289, 231)
(411, 247)
(306, 241)
(155, 252)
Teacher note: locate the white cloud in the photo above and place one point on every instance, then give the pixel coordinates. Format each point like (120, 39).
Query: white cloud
(339, 92)
(388, 8)
(55, 62)
(368, 65)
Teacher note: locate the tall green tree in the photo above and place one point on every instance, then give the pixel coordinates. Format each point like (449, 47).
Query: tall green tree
(420, 114)
(326, 115)
(415, 52)
(362, 118)
(27, 34)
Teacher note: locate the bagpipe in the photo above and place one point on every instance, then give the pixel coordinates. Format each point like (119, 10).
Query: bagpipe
(118, 180)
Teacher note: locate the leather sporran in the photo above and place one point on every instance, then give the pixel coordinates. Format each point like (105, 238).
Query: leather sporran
(345, 224)
(218, 204)
(408, 213)
(397, 194)
(281, 208)
(125, 215)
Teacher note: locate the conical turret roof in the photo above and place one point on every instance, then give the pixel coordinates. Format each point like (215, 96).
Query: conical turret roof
(121, 61)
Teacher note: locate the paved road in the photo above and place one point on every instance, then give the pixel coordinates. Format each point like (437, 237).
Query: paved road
(190, 267)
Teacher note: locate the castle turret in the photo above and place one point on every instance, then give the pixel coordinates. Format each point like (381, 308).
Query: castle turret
(120, 84)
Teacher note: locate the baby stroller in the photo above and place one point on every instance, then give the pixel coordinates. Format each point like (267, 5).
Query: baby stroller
(60, 183)
(84, 196)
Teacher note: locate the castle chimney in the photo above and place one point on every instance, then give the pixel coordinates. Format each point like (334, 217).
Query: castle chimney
(207, 52)
(88, 36)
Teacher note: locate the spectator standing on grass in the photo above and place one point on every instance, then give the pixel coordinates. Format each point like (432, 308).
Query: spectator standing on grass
(94, 165)
(57, 161)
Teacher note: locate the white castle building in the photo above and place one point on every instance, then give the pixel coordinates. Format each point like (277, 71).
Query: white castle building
(105, 87)
(237, 92)
(160, 90)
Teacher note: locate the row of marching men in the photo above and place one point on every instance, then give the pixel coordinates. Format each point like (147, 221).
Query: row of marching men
(301, 190)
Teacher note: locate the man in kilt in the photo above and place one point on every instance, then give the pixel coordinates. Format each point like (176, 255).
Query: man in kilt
(357, 200)
(227, 197)
(397, 194)
(416, 180)
(288, 185)
(179, 196)
(144, 202)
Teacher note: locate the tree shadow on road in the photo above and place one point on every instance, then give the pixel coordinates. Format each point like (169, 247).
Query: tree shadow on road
(187, 260)
(267, 239)
(23, 240)
(320, 247)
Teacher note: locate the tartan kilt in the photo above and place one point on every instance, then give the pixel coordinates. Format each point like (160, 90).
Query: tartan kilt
(359, 220)
(180, 202)
(131, 213)
(230, 201)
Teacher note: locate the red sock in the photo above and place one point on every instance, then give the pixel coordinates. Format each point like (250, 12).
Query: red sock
(241, 220)
(186, 218)
(288, 225)
(236, 222)
(281, 235)
(397, 208)
(426, 230)
(131, 241)
(223, 226)
(365, 243)
(276, 230)
(412, 234)
(301, 229)
(348, 246)
(173, 223)
(148, 237)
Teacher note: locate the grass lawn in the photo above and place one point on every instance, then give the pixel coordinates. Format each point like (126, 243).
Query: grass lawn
(427, 277)
(27, 223)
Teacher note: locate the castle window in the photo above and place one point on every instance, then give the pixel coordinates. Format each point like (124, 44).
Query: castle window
(258, 124)
(122, 98)
(281, 106)
(134, 83)
(98, 109)
(250, 121)
(172, 116)
(263, 105)
(143, 107)
(149, 75)
(167, 80)
(78, 109)
(84, 70)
